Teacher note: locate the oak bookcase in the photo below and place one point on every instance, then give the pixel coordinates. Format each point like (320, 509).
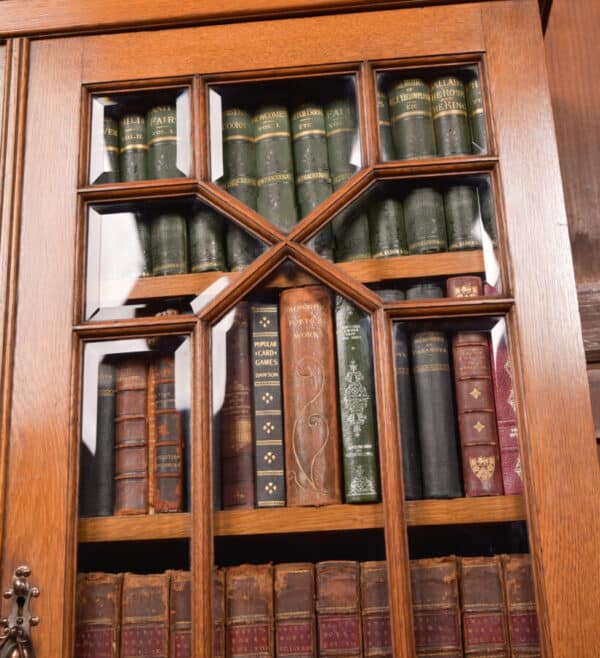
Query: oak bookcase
(54, 60)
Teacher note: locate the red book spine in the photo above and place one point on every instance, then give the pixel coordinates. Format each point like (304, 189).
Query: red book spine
(375, 610)
(180, 615)
(294, 591)
(219, 613)
(464, 286)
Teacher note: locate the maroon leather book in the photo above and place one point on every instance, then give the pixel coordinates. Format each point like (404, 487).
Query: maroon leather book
(131, 438)
(145, 616)
(375, 610)
(311, 429)
(237, 451)
(98, 613)
(476, 414)
(249, 611)
(219, 613)
(338, 609)
(436, 608)
(464, 286)
(485, 633)
(520, 602)
(295, 625)
(180, 615)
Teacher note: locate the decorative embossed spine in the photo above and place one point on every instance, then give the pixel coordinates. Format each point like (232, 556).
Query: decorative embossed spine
(375, 610)
(338, 609)
(161, 135)
(219, 613)
(145, 620)
(295, 623)
(485, 634)
(168, 237)
(386, 143)
(463, 220)
(464, 286)
(236, 429)
(450, 120)
(206, 241)
(425, 221)
(268, 409)
(180, 614)
(98, 612)
(386, 228)
(311, 431)
(131, 438)
(357, 403)
(476, 414)
(411, 117)
(477, 120)
(132, 140)
(249, 611)
(436, 608)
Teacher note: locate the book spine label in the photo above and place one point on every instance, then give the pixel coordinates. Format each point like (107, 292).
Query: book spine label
(237, 453)
(180, 615)
(411, 462)
(206, 241)
(435, 415)
(375, 612)
(168, 236)
(386, 143)
(340, 126)
(386, 229)
(476, 414)
(268, 412)
(238, 145)
(462, 218)
(311, 431)
(295, 625)
(411, 117)
(219, 613)
(133, 148)
(357, 403)
(464, 286)
(477, 120)
(111, 170)
(450, 118)
(425, 221)
(161, 133)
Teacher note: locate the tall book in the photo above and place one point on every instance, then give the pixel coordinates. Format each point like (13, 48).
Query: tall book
(161, 136)
(463, 222)
(435, 415)
(411, 117)
(477, 120)
(249, 611)
(180, 614)
(436, 607)
(131, 438)
(386, 144)
(450, 122)
(268, 408)
(168, 237)
(132, 146)
(357, 403)
(375, 610)
(387, 233)
(98, 609)
(476, 414)
(206, 241)
(338, 609)
(111, 171)
(425, 221)
(218, 613)
(485, 634)
(311, 430)
(295, 624)
(145, 616)
(237, 449)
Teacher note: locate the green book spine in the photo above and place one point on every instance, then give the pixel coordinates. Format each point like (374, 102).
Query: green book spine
(132, 140)
(145, 244)
(486, 207)
(477, 120)
(268, 410)
(424, 291)
(239, 160)
(463, 224)
(435, 415)
(424, 220)
(357, 403)
(350, 229)
(390, 294)
(340, 126)
(386, 229)
(111, 167)
(161, 134)
(207, 251)
(386, 143)
(411, 461)
(274, 166)
(450, 119)
(168, 235)
(241, 249)
(411, 117)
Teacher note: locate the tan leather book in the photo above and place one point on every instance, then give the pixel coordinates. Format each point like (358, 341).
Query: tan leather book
(180, 614)
(375, 609)
(219, 613)
(295, 624)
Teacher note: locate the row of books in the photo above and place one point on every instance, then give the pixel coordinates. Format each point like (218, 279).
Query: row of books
(463, 607)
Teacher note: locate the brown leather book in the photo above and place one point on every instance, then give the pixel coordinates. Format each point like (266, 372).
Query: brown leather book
(375, 609)
(249, 611)
(520, 602)
(485, 633)
(145, 616)
(98, 613)
(180, 615)
(436, 608)
(476, 414)
(237, 450)
(311, 429)
(131, 437)
(295, 624)
(464, 286)
(219, 613)
(338, 609)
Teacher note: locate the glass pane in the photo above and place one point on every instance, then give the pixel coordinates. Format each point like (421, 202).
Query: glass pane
(140, 136)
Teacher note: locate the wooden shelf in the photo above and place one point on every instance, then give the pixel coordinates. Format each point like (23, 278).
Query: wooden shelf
(303, 519)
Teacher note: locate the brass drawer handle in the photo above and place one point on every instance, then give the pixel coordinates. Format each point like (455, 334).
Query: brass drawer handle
(15, 635)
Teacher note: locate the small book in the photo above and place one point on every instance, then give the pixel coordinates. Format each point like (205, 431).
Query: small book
(180, 614)
(464, 286)
(375, 610)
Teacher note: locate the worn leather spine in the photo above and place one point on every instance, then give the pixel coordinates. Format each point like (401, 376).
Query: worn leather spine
(387, 233)
(249, 611)
(464, 286)
(411, 116)
(477, 119)
(206, 241)
(450, 119)
(145, 620)
(375, 610)
(476, 414)
(424, 290)
(180, 614)
(132, 147)
(98, 615)
(338, 609)
(386, 144)
(161, 136)
(435, 415)
(311, 430)
(218, 613)
(463, 222)
(357, 403)
(111, 169)
(294, 601)
(168, 236)
(425, 221)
